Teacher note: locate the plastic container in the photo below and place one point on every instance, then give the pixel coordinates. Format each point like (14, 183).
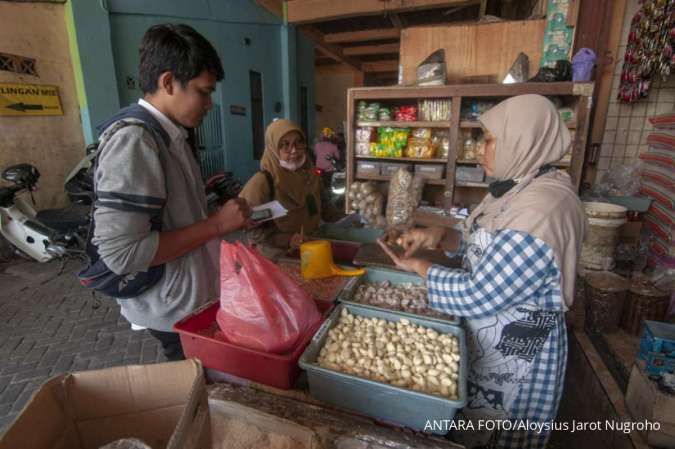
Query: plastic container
(604, 221)
(378, 400)
(582, 65)
(644, 302)
(276, 370)
(396, 278)
(657, 347)
(605, 296)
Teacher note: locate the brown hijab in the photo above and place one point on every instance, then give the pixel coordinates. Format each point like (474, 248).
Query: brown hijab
(291, 188)
(529, 134)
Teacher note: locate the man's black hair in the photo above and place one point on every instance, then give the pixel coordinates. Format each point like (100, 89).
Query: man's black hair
(178, 49)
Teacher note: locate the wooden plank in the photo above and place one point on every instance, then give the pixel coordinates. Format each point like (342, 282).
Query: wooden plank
(449, 191)
(403, 124)
(371, 49)
(608, 58)
(436, 182)
(403, 159)
(591, 395)
(583, 113)
(473, 49)
(365, 35)
(396, 20)
(430, 219)
(380, 66)
(334, 51)
(307, 11)
(469, 90)
(273, 6)
(350, 135)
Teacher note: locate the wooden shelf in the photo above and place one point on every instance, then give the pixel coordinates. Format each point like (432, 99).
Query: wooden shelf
(563, 164)
(436, 182)
(482, 185)
(403, 159)
(417, 124)
(470, 124)
(472, 90)
(457, 192)
(467, 162)
(476, 124)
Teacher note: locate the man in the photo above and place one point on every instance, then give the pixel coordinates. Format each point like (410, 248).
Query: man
(150, 212)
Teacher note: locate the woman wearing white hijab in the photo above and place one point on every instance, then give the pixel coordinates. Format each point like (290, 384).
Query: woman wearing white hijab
(521, 246)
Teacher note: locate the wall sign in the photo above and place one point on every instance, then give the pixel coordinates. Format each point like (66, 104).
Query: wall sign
(237, 110)
(29, 99)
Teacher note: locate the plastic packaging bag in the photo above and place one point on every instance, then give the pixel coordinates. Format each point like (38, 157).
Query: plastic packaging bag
(432, 71)
(261, 307)
(420, 148)
(405, 192)
(621, 181)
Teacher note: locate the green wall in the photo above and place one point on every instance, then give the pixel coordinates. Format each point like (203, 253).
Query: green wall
(246, 36)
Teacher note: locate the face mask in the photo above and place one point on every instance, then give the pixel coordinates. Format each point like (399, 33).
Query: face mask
(293, 166)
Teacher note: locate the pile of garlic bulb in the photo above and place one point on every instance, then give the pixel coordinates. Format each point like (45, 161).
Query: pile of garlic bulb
(365, 200)
(406, 297)
(398, 353)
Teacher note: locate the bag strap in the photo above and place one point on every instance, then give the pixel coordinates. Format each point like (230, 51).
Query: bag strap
(90, 249)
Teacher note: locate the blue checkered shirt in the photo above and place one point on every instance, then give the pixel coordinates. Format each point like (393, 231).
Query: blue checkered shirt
(516, 276)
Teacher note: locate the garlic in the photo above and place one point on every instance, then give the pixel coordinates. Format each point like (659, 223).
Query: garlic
(399, 353)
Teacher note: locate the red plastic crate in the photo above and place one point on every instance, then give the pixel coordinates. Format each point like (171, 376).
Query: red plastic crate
(276, 370)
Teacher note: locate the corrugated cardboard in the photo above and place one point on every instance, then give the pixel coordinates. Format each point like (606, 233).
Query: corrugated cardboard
(165, 405)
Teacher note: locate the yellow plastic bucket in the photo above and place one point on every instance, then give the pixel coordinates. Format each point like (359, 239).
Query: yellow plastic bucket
(316, 261)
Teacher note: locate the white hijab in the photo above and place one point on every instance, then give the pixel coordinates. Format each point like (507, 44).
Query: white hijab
(529, 134)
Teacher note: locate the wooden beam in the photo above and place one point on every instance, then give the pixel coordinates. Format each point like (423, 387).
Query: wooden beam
(365, 35)
(307, 11)
(371, 49)
(273, 6)
(396, 20)
(381, 66)
(334, 51)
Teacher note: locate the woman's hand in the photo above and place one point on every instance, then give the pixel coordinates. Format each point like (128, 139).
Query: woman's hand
(418, 238)
(295, 241)
(411, 264)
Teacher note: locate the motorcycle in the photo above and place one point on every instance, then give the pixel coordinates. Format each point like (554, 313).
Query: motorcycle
(334, 184)
(62, 233)
(48, 233)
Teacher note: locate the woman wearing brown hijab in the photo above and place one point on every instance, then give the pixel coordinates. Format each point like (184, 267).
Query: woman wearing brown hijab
(287, 175)
(520, 245)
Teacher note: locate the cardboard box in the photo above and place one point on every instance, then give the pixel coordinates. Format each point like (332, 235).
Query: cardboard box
(645, 401)
(165, 405)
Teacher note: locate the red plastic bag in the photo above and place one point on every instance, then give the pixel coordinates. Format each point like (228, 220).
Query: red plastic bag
(261, 307)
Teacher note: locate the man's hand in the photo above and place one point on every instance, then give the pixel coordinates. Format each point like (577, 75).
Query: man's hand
(232, 216)
(295, 241)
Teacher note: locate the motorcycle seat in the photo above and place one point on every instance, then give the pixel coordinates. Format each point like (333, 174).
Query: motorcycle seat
(6, 196)
(65, 219)
(21, 174)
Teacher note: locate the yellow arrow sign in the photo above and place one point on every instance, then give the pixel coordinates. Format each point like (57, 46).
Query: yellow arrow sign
(29, 99)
